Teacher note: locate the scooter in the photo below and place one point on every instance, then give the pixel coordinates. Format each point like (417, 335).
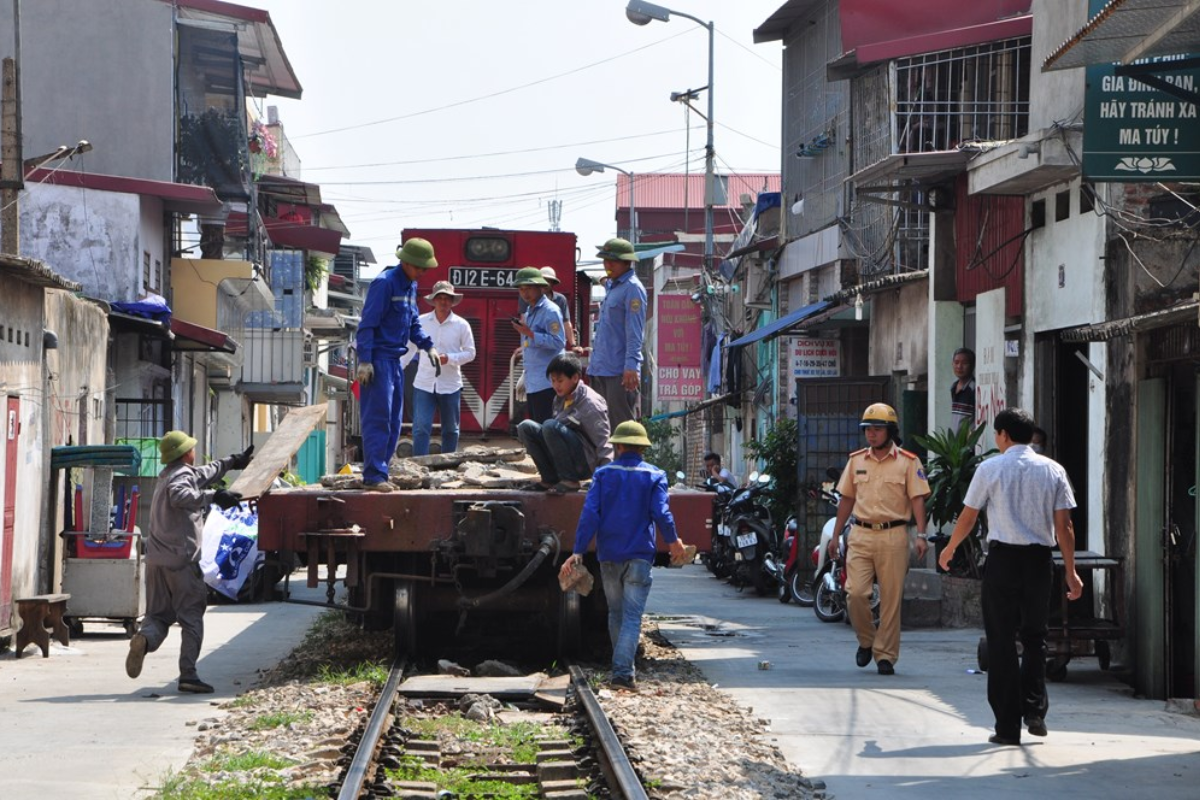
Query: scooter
(830, 598)
(798, 583)
(755, 540)
(719, 559)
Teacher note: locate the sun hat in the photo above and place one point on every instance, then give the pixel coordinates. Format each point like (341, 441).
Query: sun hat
(630, 432)
(529, 276)
(446, 288)
(618, 250)
(550, 275)
(418, 252)
(174, 445)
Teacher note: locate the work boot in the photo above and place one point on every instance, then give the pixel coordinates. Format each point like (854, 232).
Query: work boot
(1036, 725)
(885, 667)
(194, 686)
(382, 486)
(137, 654)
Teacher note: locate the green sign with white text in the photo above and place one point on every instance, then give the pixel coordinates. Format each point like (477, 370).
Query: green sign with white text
(1136, 132)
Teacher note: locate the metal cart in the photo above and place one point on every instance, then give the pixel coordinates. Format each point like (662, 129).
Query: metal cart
(102, 564)
(1074, 628)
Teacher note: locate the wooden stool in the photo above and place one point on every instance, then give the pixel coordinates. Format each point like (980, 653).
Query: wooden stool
(40, 615)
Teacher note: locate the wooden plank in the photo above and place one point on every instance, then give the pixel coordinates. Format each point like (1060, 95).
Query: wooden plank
(275, 454)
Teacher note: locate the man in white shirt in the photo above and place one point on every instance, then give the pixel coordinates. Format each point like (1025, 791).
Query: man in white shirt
(440, 388)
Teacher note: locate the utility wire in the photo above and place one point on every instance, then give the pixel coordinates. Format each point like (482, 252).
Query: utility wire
(492, 95)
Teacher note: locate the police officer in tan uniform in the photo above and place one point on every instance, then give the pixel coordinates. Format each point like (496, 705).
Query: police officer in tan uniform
(885, 488)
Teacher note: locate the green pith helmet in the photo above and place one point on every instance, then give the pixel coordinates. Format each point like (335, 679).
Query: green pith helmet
(630, 432)
(174, 445)
(618, 250)
(529, 276)
(418, 252)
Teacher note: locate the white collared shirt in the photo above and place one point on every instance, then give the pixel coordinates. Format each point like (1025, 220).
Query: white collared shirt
(453, 339)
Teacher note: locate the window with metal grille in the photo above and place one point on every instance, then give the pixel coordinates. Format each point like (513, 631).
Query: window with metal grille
(952, 97)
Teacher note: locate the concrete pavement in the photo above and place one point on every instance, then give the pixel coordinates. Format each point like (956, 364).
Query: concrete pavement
(923, 731)
(74, 725)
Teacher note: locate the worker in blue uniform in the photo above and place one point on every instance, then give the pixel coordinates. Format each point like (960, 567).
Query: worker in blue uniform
(614, 369)
(627, 499)
(542, 338)
(389, 322)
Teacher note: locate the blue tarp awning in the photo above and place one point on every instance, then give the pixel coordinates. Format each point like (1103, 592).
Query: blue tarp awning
(780, 325)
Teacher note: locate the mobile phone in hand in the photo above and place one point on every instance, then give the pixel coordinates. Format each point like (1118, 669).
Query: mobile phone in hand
(516, 320)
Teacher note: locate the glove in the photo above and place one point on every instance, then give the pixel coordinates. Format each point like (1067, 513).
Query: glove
(226, 499)
(365, 374)
(242, 459)
(435, 358)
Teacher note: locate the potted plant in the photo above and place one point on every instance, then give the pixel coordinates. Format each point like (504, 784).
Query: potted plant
(953, 459)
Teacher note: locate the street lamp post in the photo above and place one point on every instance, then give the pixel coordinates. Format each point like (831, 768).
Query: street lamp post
(585, 166)
(640, 12)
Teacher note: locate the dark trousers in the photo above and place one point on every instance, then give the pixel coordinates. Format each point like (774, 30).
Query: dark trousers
(540, 405)
(1017, 583)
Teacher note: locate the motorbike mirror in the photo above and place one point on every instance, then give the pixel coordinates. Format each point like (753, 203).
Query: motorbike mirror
(680, 476)
(834, 472)
(764, 478)
(753, 476)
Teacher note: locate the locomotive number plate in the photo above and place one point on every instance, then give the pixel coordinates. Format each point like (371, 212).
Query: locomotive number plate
(482, 277)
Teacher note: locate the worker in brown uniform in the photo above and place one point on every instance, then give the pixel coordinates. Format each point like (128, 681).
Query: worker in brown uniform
(884, 487)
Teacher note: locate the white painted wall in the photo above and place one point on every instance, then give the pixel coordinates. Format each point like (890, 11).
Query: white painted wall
(945, 336)
(990, 391)
(86, 236)
(1054, 22)
(1064, 271)
(21, 377)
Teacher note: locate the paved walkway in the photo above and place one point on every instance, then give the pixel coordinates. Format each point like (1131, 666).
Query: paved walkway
(74, 726)
(922, 732)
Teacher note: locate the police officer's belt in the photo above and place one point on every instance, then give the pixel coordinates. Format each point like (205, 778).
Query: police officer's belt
(880, 526)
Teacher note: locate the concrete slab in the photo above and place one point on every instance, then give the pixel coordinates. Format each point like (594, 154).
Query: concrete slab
(923, 730)
(73, 725)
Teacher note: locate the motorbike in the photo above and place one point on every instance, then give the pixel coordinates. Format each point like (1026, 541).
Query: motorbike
(830, 597)
(719, 559)
(799, 584)
(754, 537)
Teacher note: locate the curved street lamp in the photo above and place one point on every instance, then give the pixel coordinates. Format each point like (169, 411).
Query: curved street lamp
(640, 12)
(585, 166)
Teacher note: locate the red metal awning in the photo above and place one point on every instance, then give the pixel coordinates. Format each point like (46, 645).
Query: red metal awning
(190, 336)
(181, 197)
(285, 233)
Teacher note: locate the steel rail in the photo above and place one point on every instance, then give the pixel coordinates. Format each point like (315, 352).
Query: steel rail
(364, 755)
(626, 779)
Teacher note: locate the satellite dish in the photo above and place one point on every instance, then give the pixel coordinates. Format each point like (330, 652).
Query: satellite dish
(798, 207)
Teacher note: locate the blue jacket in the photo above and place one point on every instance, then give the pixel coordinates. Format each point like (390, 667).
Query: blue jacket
(621, 328)
(627, 498)
(390, 318)
(549, 339)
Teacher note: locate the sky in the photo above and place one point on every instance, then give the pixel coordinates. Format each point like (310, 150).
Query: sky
(472, 113)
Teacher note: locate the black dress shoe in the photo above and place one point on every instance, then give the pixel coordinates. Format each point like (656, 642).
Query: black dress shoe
(1036, 725)
(886, 668)
(996, 738)
(863, 656)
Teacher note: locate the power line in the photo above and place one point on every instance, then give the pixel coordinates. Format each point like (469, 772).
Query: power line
(500, 93)
(499, 153)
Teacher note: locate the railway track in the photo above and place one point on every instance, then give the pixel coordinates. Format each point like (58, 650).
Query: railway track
(575, 754)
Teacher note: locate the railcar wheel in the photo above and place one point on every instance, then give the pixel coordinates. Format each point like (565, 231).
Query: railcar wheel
(404, 619)
(570, 624)
(1103, 654)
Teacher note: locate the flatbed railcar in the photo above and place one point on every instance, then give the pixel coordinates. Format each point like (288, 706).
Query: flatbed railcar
(460, 563)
